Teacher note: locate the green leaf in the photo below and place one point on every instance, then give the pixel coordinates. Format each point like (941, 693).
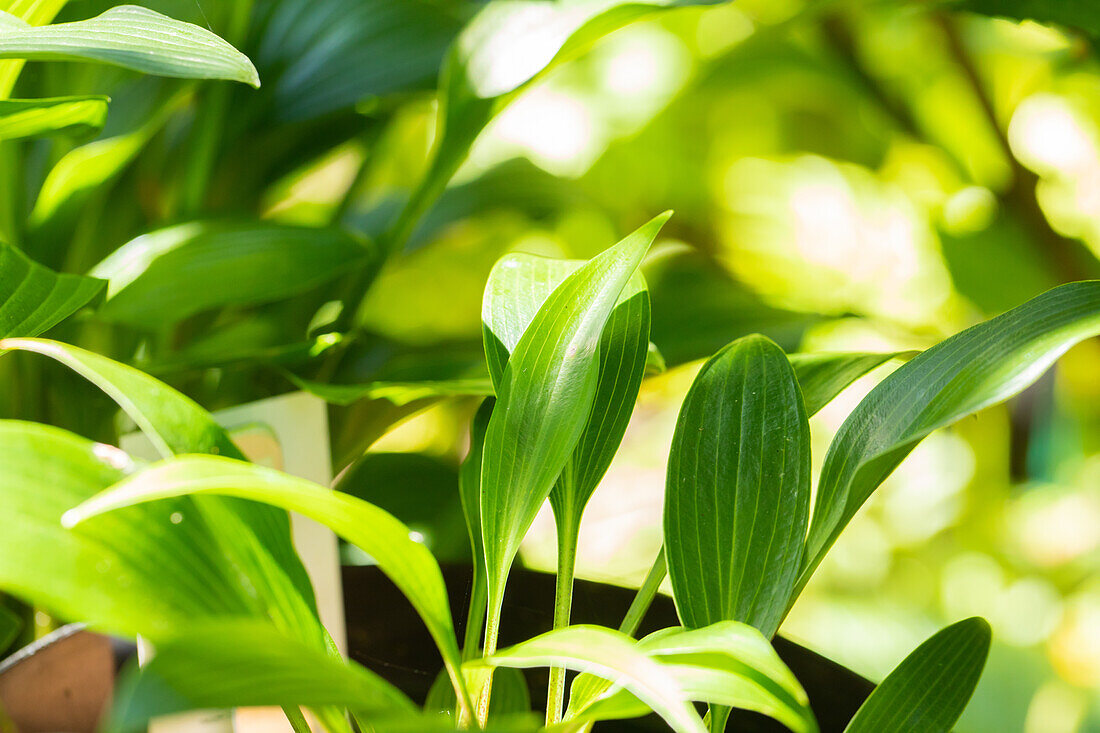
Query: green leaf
(175, 424)
(737, 498)
(397, 393)
(35, 12)
(146, 570)
(407, 563)
(10, 626)
(469, 490)
(84, 170)
(727, 663)
(545, 399)
(1080, 14)
(610, 655)
(132, 37)
(233, 663)
(968, 372)
(823, 376)
(34, 298)
(507, 47)
(320, 56)
(929, 690)
(510, 696)
(517, 287)
(168, 275)
(74, 116)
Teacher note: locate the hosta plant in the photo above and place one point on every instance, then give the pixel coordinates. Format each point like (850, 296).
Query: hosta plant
(193, 551)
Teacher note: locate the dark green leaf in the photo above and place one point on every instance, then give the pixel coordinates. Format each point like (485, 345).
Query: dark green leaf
(1080, 14)
(972, 370)
(737, 498)
(234, 663)
(929, 690)
(34, 298)
(132, 37)
(469, 489)
(545, 399)
(165, 276)
(74, 116)
(407, 563)
(10, 626)
(319, 56)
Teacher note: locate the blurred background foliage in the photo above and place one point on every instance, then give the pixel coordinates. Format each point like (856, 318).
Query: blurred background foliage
(846, 175)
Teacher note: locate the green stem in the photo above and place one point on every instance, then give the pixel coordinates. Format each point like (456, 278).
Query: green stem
(475, 615)
(492, 630)
(563, 603)
(297, 720)
(644, 598)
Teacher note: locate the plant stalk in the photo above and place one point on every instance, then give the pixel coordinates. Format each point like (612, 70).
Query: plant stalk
(644, 598)
(563, 604)
(492, 630)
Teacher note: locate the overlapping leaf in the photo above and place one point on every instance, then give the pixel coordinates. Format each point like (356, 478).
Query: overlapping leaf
(516, 289)
(929, 690)
(133, 37)
(257, 536)
(145, 570)
(73, 116)
(231, 663)
(737, 498)
(407, 563)
(727, 663)
(34, 298)
(545, 399)
(974, 369)
(173, 273)
(610, 655)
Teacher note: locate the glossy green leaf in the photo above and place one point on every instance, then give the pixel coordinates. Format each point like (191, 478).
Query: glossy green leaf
(175, 424)
(727, 663)
(235, 663)
(74, 116)
(545, 399)
(132, 37)
(507, 47)
(146, 570)
(737, 498)
(165, 276)
(517, 287)
(34, 298)
(35, 12)
(929, 690)
(1080, 14)
(823, 376)
(972, 370)
(407, 563)
(610, 655)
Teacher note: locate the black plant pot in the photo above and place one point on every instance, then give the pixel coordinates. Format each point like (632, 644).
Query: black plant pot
(385, 634)
(61, 682)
